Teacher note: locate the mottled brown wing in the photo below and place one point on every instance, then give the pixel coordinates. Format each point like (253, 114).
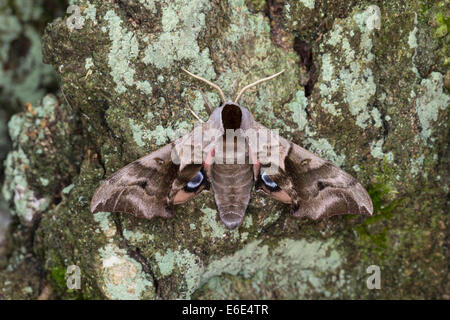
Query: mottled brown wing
(147, 187)
(322, 189)
(141, 188)
(316, 187)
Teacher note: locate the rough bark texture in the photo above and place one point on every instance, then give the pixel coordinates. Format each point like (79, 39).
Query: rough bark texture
(365, 89)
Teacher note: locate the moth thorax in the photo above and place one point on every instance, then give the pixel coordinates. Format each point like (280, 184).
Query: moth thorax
(232, 148)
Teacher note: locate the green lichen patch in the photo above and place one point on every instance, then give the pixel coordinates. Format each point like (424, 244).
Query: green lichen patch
(122, 277)
(307, 19)
(348, 73)
(182, 22)
(23, 76)
(430, 101)
(40, 162)
(124, 49)
(258, 271)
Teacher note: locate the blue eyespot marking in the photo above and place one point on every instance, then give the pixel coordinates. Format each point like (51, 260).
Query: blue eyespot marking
(195, 182)
(268, 181)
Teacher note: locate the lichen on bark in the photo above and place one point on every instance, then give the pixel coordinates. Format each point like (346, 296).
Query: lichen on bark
(370, 97)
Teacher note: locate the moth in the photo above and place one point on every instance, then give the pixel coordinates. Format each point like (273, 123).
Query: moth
(231, 153)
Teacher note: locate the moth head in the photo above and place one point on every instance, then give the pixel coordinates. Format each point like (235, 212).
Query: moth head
(231, 115)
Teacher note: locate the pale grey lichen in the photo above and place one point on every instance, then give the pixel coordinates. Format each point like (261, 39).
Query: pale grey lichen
(287, 11)
(359, 88)
(241, 25)
(431, 98)
(90, 12)
(214, 228)
(124, 49)
(417, 165)
(15, 260)
(44, 181)
(324, 149)
(26, 81)
(369, 19)
(149, 4)
(15, 126)
(298, 108)
(376, 116)
(15, 189)
(27, 201)
(184, 263)
(182, 24)
(309, 260)
(376, 150)
(412, 42)
(46, 109)
(11, 28)
(136, 236)
(346, 70)
(28, 290)
(321, 146)
(327, 70)
(159, 135)
(121, 277)
(349, 70)
(256, 261)
(23, 76)
(28, 10)
(68, 189)
(310, 4)
(88, 63)
(106, 224)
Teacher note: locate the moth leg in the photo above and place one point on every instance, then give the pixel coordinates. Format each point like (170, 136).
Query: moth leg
(208, 107)
(255, 162)
(208, 162)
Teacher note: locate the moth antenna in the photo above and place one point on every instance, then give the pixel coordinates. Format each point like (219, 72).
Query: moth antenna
(208, 107)
(222, 96)
(193, 113)
(255, 83)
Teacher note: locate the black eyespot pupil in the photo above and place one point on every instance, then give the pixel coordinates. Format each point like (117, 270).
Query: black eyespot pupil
(195, 182)
(269, 183)
(143, 184)
(321, 185)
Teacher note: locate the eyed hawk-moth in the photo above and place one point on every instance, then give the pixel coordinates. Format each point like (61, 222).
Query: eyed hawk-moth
(231, 153)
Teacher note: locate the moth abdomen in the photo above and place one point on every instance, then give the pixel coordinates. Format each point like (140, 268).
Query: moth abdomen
(232, 184)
